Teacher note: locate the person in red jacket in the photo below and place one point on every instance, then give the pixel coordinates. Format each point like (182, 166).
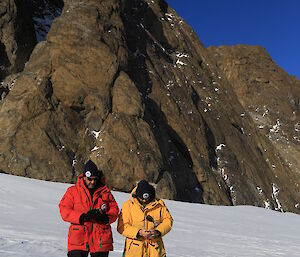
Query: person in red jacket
(90, 208)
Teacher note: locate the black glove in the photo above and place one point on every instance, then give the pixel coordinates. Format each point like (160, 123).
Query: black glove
(156, 234)
(83, 218)
(100, 216)
(95, 215)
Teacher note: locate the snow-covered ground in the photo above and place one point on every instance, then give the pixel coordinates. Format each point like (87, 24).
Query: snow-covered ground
(30, 226)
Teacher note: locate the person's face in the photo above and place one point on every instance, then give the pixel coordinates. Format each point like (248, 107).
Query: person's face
(90, 182)
(143, 201)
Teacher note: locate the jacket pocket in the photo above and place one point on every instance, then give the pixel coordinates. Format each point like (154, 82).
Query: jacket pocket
(76, 235)
(135, 248)
(158, 247)
(102, 235)
(107, 234)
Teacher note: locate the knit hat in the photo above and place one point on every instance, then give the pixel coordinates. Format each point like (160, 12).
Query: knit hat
(145, 191)
(90, 170)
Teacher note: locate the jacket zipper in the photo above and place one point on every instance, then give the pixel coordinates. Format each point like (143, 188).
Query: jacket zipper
(88, 199)
(146, 227)
(87, 244)
(100, 235)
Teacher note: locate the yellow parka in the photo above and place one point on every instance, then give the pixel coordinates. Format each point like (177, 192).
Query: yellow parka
(133, 217)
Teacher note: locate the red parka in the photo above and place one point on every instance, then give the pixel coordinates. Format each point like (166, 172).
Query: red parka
(91, 236)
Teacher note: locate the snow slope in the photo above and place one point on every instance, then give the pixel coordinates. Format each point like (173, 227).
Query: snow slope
(30, 226)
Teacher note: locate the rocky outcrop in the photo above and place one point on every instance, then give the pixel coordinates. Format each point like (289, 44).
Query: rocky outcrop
(17, 37)
(129, 85)
(268, 94)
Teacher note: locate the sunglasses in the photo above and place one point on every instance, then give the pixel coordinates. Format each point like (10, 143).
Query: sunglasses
(91, 179)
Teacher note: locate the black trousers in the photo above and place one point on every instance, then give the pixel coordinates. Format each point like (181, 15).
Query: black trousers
(78, 253)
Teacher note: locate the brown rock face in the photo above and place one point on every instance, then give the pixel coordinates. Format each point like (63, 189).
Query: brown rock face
(129, 85)
(17, 37)
(268, 94)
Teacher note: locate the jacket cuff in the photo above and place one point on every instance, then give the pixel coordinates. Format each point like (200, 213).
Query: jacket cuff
(138, 234)
(162, 230)
(135, 233)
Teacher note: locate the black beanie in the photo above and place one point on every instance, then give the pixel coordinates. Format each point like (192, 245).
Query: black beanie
(91, 170)
(145, 191)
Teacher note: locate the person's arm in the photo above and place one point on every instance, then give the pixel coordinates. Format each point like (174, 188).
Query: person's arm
(66, 208)
(106, 214)
(166, 222)
(113, 209)
(125, 227)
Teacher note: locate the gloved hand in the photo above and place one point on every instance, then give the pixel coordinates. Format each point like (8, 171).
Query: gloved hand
(95, 214)
(86, 217)
(100, 216)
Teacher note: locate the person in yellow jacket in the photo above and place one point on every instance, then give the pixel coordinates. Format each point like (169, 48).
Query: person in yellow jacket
(144, 220)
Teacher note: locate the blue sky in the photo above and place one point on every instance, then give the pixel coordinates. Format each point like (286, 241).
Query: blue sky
(273, 24)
